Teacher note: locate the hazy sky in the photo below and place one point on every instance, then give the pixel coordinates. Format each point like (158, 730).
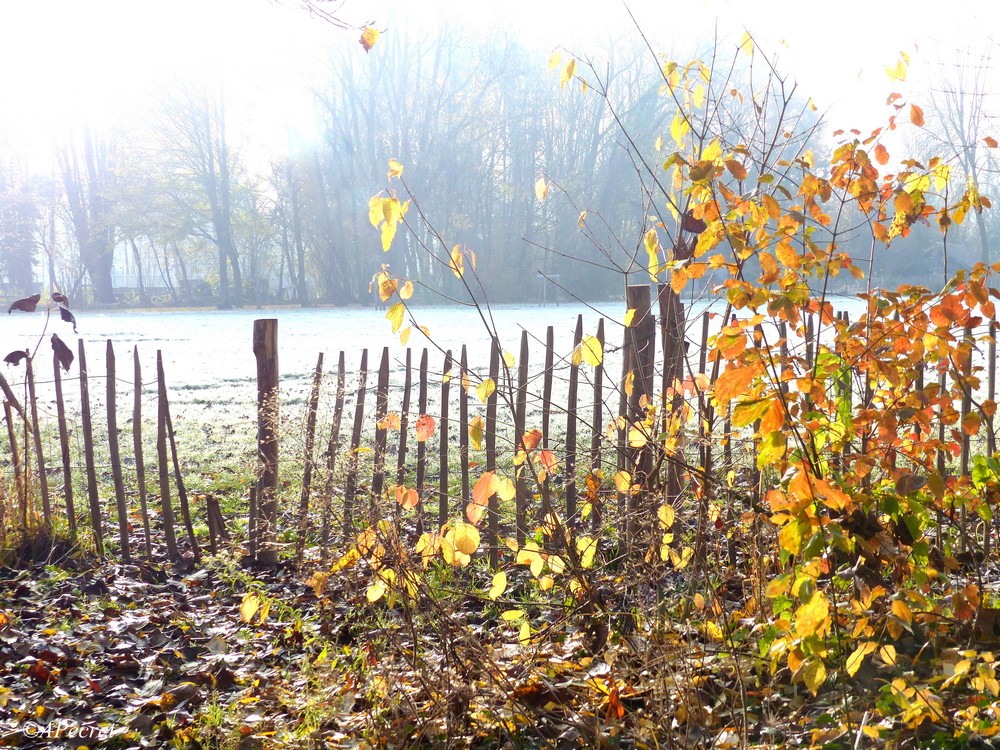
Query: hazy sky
(61, 59)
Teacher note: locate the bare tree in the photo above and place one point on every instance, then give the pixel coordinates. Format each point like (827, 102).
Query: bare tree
(89, 181)
(958, 109)
(193, 135)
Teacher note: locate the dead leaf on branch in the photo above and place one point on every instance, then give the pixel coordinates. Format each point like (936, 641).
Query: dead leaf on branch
(27, 304)
(63, 353)
(15, 357)
(67, 316)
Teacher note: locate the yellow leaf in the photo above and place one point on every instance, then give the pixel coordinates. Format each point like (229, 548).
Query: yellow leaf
(813, 674)
(395, 316)
(465, 537)
(506, 490)
(498, 587)
(629, 315)
(679, 128)
(898, 71)
(746, 44)
(555, 60)
(857, 657)
(368, 38)
(508, 359)
(485, 389)
(592, 350)
(477, 428)
(887, 654)
(406, 291)
(586, 548)
(404, 335)
(567, 73)
(376, 591)
(511, 615)
(542, 189)
(395, 169)
(902, 611)
(249, 606)
(813, 617)
(386, 286)
(623, 482)
(666, 515)
(457, 264)
(524, 634)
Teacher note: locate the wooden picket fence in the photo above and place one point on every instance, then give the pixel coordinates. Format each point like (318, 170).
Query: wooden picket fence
(372, 451)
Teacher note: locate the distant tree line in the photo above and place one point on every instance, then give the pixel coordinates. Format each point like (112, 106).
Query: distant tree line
(175, 212)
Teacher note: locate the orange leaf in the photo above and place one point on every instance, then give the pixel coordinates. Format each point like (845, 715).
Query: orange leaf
(532, 439)
(916, 115)
(881, 155)
(736, 169)
(549, 462)
(486, 485)
(990, 142)
(407, 498)
(425, 427)
(733, 383)
(368, 38)
(389, 422)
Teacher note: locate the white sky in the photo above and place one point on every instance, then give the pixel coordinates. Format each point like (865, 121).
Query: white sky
(65, 59)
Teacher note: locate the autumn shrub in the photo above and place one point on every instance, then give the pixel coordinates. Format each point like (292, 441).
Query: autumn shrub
(838, 476)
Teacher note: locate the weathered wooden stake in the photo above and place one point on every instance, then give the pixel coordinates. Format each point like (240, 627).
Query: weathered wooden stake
(493, 523)
(140, 464)
(351, 484)
(265, 349)
(88, 449)
(332, 449)
(166, 508)
(114, 454)
(64, 446)
(569, 481)
(36, 431)
(443, 442)
(307, 459)
(381, 431)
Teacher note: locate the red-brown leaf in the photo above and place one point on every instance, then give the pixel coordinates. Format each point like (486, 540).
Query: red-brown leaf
(63, 353)
(27, 304)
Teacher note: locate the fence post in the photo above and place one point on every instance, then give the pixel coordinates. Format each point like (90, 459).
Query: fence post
(351, 484)
(640, 342)
(443, 444)
(523, 493)
(140, 464)
(672, 341)
(166, 509)
(571, 421)
(493, 527)
(64, 446)
(308, 459)
(88, 446)
(114, 453)
(381, 431)
(265, 349)
(43, 480)
(597, 422)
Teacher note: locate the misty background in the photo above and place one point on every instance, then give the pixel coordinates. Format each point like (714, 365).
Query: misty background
(224, 179)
